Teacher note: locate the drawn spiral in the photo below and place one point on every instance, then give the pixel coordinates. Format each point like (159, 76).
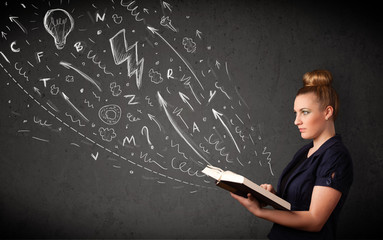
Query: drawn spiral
(110, 114)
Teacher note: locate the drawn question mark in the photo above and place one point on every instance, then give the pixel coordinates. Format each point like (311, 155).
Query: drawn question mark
(147, 136)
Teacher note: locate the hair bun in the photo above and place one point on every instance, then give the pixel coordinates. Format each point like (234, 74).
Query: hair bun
(317, 78)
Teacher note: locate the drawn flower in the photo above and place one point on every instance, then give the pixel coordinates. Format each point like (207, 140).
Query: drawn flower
(155, 76)
(189, 45)
(107, 134)
(115, 89)
(69, 78)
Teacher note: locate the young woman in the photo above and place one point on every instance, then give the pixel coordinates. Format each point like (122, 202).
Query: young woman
(316, 182)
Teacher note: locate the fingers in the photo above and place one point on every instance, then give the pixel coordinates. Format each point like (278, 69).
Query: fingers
(268, 187)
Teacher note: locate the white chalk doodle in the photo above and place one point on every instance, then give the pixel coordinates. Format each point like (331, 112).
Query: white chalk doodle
(17, 22)
(88, 103)
(155, 77)
(84, 75)
(189, 45)
(69, 78)
(198, 34)
(153, 118)
(115, 89)
(186, 99)
(133, 10)
(130, 140)
(147, 159)
(54, 90)
(98, 63)
(195, 127)
(186, 138)
(221, 150)
(145, 132)
(5, 57)
(167, 5)
(66, 98)
(155, 31)
(122, 52)
(132, 118)
(218, 115)
(44, 80)
(268, 159)
(58, 23)
(16, 50)
(131, 98)
(182, 166)
(73, 120)
(94, 156)
(166, 22)
(20, 71)
(40, 122)
(117, 19)
(107, 134)
(110, 114)
(99, 145)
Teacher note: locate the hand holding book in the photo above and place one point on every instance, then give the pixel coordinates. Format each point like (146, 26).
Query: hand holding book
(242, 186)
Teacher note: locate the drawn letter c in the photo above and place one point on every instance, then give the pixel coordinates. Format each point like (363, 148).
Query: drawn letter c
(14, 49)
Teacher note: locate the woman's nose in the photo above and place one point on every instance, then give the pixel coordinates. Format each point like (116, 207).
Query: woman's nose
(297, 120)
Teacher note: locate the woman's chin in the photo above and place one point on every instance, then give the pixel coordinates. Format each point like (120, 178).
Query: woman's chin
(305, 135)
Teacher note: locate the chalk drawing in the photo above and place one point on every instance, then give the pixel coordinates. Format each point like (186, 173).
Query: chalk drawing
(58, 23)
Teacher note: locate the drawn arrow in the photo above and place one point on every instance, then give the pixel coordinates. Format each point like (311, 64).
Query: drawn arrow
(153, 118)
(164, 105)
(37, 91)
(198, 33)
(155, 31)
(69, 66)
(146, 10)
(218, 115)
(14, 19)
(217, 64)
(4, 35)
(185, 100)
(5, 57)
(167, 5)
(66, 98)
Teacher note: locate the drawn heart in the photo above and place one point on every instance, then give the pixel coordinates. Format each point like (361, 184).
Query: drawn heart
(117, 19)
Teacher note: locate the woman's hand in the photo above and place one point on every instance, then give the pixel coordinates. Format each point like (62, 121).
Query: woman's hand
(250, 203)
(269, 188)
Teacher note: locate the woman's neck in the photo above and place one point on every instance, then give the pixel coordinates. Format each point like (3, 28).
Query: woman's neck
(328, 133)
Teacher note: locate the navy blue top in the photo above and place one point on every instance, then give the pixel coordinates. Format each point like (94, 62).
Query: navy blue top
(329, 166)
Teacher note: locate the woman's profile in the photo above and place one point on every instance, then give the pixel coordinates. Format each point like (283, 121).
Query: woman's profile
(317, 180)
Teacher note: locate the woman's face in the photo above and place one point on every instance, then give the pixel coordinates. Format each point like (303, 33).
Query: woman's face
(309, 117)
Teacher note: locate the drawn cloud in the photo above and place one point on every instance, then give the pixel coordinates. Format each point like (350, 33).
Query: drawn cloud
(107, 134)
(155, 76)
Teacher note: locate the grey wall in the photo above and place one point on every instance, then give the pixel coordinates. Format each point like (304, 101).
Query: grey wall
(106, 176)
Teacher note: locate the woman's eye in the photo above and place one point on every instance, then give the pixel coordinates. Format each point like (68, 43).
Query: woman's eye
(305, 112)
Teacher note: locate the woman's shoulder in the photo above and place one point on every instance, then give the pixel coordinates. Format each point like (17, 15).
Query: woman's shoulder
(337, 155)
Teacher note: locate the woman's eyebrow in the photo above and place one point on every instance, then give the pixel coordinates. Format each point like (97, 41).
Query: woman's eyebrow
(302, 109)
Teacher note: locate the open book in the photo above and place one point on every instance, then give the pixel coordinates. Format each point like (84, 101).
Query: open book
(240, 185)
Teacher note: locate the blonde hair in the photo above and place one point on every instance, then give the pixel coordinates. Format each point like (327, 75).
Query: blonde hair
(319, 82)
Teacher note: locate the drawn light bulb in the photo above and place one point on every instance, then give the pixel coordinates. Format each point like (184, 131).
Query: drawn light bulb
(58, 23)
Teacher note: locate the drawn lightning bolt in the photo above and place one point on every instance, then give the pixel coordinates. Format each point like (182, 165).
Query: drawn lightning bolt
(164, 105)
(122, 52)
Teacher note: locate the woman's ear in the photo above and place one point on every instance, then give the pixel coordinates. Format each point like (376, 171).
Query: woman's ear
(329, 111)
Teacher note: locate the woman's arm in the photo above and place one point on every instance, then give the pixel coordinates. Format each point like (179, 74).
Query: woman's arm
(323, 202)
